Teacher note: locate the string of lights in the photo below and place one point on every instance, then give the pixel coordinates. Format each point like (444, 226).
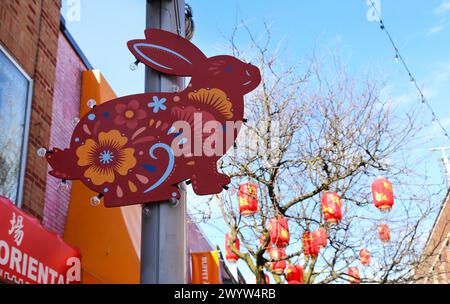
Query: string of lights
(399, 58)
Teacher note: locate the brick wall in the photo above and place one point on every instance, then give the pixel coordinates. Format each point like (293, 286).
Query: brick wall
(66, 105)
(29, 30)
(435, 266)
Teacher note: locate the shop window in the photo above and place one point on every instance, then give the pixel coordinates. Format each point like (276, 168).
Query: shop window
(15, 101)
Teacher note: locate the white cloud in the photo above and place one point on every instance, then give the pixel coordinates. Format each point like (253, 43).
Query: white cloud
(435, 29)
(404, 99)
(434, 87)
(442, 74)
(445, 122)
(441, 11)
(443, 8)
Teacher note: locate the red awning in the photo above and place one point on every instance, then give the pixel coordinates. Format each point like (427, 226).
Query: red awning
(29, 254)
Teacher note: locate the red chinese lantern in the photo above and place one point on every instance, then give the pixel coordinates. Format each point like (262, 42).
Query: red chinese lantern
(354, 277)
(248, 199)
(384, 233)
(331, 207)
(294, 274)
(364, 255)
(383, 196)
(310, 246)
(279, 231)
(320, 235)
(278, 266)
(230, 255)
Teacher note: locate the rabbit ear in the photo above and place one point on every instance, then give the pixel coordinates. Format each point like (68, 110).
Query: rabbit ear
(167, 52)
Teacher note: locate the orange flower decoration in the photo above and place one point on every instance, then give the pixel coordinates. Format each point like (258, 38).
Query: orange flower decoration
(106, 157)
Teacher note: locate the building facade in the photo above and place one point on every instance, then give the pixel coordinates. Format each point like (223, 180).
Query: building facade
(435, 263)
(29, 32)
(198, 242)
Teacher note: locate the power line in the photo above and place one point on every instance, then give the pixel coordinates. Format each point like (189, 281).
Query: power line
(412, 79)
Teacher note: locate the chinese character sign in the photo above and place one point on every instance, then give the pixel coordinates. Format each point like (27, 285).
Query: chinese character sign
(16, 228)
(29, 254)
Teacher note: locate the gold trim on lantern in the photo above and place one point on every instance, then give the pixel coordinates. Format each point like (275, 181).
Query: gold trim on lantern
(332, 221)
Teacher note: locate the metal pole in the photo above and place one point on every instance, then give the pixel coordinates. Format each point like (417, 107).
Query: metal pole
(445, 162)
(163, 241)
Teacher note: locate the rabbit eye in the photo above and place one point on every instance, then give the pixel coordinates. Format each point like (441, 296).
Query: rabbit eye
(228, 69)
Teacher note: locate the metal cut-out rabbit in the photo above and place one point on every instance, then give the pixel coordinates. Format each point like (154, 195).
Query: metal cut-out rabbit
(124, 148)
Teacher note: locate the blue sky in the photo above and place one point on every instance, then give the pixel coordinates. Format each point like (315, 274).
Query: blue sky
(420, 28)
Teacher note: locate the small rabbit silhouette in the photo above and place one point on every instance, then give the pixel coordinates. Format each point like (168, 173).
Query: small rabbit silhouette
(124, 149)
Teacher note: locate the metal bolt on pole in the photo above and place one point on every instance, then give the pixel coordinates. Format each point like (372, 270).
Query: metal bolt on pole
(163, 238)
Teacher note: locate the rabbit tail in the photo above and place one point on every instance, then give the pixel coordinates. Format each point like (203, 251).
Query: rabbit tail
(63, 163)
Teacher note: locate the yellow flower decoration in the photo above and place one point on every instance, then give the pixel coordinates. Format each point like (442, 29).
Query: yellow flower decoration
(284, 233)
(335, 199)
(106, 157)
(380, 196)
(243, 201)
(215, 98)
(387, 185)
(326, 209)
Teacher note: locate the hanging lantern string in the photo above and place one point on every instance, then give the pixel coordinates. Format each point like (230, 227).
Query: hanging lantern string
(399, 57)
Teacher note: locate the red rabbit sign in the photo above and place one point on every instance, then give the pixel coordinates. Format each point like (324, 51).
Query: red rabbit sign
(136, 149)
(29, 254)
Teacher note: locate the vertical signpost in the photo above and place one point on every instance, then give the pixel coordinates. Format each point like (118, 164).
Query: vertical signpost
(163, 241)
(123, 149)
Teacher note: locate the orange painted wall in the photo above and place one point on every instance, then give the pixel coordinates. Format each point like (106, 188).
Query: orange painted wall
(109, 238)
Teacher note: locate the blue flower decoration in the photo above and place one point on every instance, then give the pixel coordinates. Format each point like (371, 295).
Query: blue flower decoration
(106, 157)
(157, 104)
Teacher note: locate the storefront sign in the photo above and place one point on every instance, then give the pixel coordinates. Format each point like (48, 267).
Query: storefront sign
(29, 254)
(136, 149)
(205, 267)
